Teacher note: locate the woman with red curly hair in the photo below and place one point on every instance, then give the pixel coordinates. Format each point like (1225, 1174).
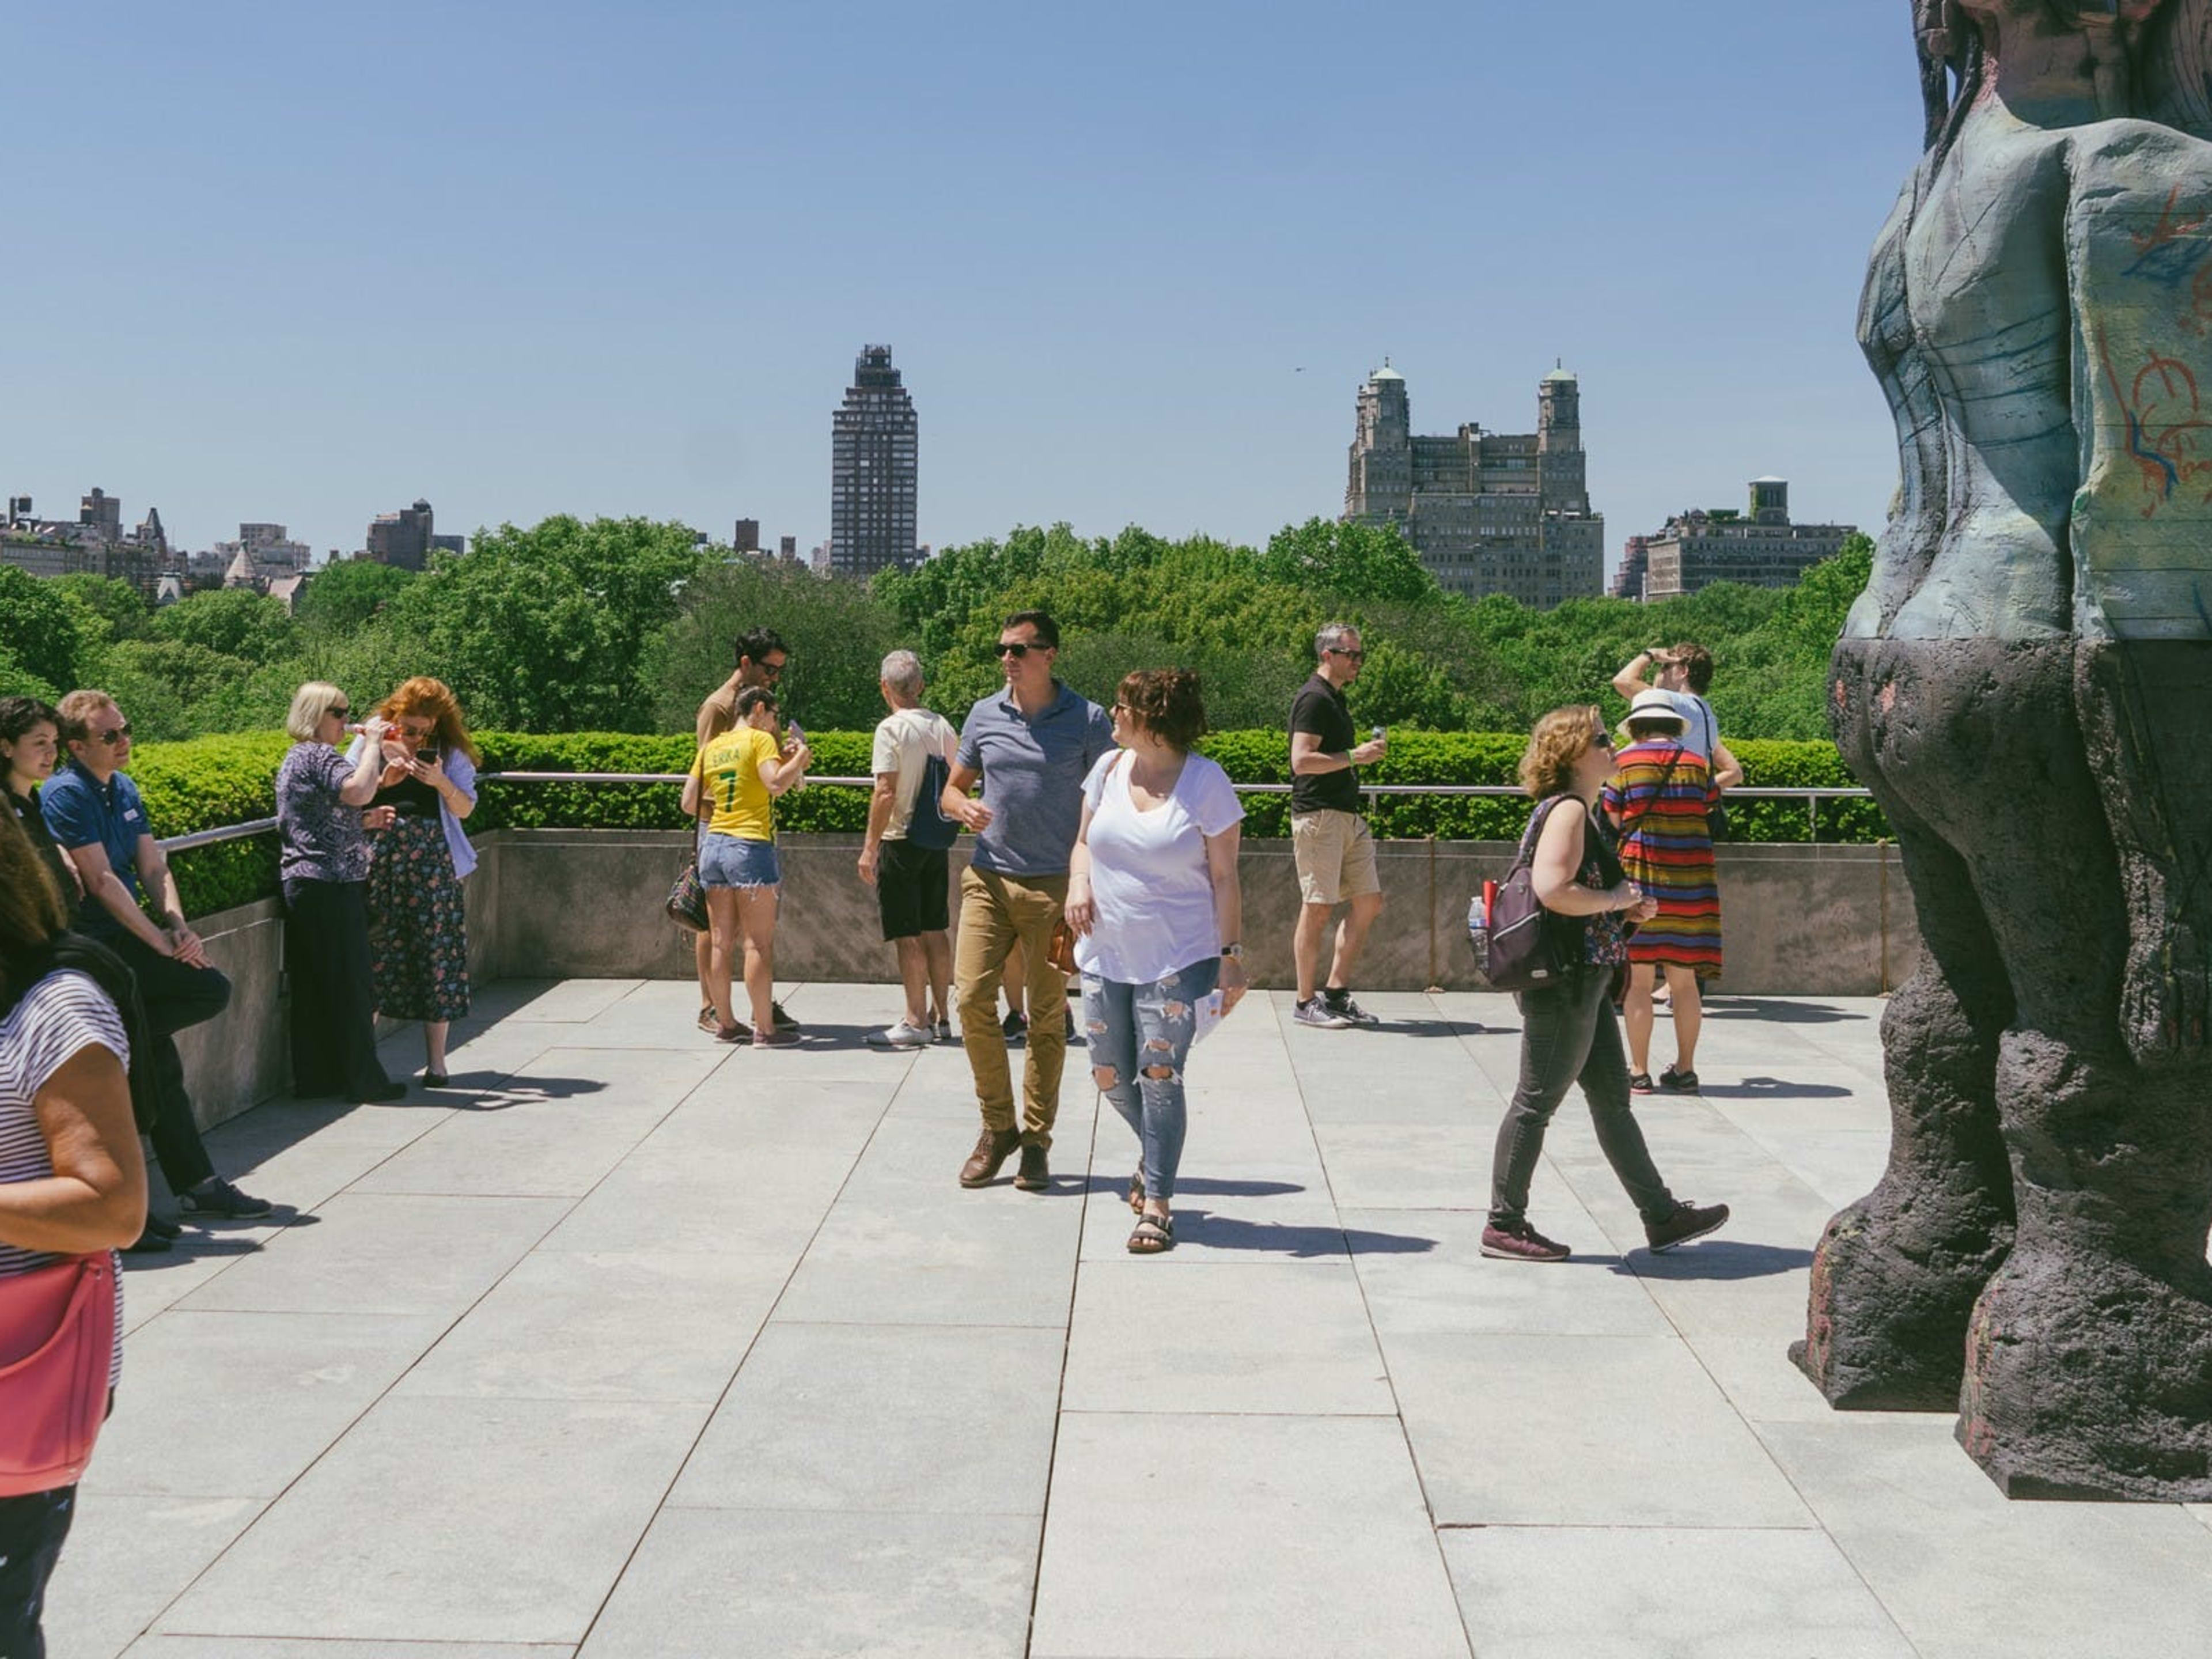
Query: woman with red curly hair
(418, 941)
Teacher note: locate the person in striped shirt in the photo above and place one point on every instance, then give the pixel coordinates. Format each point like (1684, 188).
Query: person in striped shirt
(1656, 802)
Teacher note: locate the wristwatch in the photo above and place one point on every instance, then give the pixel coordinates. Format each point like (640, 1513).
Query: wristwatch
(1233, 952)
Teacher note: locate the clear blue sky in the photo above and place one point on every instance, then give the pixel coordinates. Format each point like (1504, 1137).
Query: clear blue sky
(308, 263)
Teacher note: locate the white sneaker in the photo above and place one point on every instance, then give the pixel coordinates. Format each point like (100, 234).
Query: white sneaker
(1314, 1011)
(903, 1035)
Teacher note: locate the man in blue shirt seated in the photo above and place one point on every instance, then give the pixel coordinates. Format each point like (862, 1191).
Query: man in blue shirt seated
(96, 816)
(1031, 745)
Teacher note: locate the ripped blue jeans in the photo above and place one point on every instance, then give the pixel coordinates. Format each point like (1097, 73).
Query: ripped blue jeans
(1135, 1032)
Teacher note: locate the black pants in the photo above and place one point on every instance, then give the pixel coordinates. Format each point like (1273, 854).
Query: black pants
(326, 958)
(32, 1530)
(1569, 1034)
(176, 997)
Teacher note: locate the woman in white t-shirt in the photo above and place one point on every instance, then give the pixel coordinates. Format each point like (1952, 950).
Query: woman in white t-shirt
(72, 1175)
(1152, 895)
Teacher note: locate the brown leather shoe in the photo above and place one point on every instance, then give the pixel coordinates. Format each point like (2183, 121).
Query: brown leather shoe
(992, 1147)
(1032, 1175)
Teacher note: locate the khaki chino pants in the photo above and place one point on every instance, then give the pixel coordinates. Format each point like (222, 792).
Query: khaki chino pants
(996, 912)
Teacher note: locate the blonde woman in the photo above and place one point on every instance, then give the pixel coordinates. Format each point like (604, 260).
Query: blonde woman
(324, 867)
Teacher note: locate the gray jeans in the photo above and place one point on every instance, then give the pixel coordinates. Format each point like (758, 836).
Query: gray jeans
(1570, 1033)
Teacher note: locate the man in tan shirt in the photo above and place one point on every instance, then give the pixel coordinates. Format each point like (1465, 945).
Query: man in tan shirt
(761, 656)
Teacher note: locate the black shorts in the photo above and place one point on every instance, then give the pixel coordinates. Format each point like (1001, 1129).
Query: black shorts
(911, 889)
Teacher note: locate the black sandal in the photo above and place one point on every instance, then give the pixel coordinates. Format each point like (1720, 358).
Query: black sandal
(1154, 1234)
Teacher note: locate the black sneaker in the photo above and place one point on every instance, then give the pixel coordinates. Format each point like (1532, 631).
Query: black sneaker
(1522, 1243)
(1675, 1081)
(1016, 1025)
(1316, 1012)
(149, 1243)
(1341, 1004)
(1688, 1222)
(217, 1197)
(783, 1022)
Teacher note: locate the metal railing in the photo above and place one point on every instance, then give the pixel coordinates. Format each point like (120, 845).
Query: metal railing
(1810, 797)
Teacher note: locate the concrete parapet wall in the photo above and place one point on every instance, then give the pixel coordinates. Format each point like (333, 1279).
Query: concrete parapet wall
(1800, 921)
(1809, 921)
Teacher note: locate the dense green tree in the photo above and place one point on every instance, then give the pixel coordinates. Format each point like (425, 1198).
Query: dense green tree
(344, 596)
(837, 634)
(544, 630)
(171, 688)
(1374, 564)
(42, 628)
(235, 622)
(115, 603)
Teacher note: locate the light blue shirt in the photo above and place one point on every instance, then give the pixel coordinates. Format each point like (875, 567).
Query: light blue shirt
(1033, 771)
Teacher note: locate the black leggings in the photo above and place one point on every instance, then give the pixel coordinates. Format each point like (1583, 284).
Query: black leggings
(1570, 1034)
(32, 1529)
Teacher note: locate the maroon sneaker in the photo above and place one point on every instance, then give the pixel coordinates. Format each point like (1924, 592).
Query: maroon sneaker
(1521, 1243)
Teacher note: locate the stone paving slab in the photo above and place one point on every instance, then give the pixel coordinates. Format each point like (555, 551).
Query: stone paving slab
(631, 1343)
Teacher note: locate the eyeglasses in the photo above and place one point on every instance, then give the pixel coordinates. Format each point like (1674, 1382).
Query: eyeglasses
(113, 735)
(1339, 651)
(1014, 648)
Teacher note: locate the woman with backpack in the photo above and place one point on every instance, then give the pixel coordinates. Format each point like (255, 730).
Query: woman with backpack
(1569, 1030)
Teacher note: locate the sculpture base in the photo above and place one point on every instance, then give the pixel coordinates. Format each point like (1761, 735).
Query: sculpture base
(2087, 1377)
(1890, 1305)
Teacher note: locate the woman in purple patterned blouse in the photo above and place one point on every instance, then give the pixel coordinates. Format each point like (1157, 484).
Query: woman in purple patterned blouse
(324, 868)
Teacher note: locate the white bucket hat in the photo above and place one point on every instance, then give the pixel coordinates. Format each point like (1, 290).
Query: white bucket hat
(1656, 705)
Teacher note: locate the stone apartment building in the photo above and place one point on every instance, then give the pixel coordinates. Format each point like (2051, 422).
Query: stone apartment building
(1760, 547)
(93, 543)
(1488, 511)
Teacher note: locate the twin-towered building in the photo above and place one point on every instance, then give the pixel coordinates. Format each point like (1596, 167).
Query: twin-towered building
(1488, 511)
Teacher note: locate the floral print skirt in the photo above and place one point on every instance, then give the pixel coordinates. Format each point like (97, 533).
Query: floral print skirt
(418, 941)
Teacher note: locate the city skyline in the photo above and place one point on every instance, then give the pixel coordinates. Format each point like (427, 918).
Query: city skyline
(1113, 271)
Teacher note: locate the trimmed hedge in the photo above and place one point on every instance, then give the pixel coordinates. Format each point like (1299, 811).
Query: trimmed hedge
(204, 784)
(226, 780)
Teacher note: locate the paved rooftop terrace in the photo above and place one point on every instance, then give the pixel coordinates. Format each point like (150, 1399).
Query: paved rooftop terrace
(630, 1345)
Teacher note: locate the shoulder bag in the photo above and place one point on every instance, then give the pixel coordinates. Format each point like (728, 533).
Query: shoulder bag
(56, 1348)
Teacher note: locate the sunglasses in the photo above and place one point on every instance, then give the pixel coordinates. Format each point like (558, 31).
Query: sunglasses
(1015, 648)
(113, 735)
(1602, 740)
(773, 670)
(1339, 651)
(341, 709)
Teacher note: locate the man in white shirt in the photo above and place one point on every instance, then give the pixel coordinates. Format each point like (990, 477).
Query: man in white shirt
(1684, 672)
(912, 880)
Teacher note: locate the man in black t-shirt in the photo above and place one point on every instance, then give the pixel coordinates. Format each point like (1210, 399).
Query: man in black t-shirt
(1329, 839)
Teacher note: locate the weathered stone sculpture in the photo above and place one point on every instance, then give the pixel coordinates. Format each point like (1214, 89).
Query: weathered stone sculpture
(2026, 686)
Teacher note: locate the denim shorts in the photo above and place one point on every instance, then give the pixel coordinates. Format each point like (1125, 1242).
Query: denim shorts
(733, 861)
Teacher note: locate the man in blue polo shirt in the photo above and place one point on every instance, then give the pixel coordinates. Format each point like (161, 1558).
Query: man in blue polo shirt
(96, 816)
(1032, 745)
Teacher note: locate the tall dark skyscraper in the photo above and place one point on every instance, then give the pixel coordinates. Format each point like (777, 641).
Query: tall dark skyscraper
(873, 470)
